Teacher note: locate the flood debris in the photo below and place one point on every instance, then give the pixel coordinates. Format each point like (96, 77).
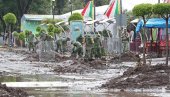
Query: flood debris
(126, 57)
(82, 66)
(11, 92)
(141, 77)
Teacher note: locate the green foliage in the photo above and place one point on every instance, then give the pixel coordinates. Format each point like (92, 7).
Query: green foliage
(161, 9)
(59, 5)
(16, 34)
(102, 2)
(38, 29)
(51, 34)
(103, 52)
(42, 30)
(10, 18)
(75, 16)
(40, 7)
(57, 30)
(50, 28)
(142, 10)
(51, 21)
(27, 33)
(22, 36)
(37, 35)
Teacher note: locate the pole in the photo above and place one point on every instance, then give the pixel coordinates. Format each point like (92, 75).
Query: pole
(71, 6)
(159, 1)
(53, 1)
(53, 8)
(120, 6)
(94, 14)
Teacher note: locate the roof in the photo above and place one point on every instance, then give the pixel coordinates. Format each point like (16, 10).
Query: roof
(99, 14)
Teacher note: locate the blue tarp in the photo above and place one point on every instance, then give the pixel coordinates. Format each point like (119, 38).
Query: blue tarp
(153, 23)
(157, 23)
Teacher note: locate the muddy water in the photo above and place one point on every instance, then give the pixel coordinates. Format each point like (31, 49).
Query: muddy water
(39, 80)
(77, 86)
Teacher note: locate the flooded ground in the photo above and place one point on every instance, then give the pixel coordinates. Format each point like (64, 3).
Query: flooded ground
(39, 80)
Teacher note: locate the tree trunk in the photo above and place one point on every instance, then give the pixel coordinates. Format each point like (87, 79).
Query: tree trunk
(9, 39)
(167, 42)
(4, 26)
(21, 43)
(144, 44)
(22, 9)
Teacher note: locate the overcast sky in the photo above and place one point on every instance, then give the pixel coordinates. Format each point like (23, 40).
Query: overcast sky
(129, 4)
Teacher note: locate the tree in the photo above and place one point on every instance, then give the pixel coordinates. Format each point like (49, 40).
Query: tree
(59, 6)
(101, 2)
(5, 7)
(163, 10)
(144, 11)
(75, 16)
(40, 7)
(23, 6)
(10, 19)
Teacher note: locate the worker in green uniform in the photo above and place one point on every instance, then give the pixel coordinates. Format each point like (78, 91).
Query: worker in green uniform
(89, 45)
(77, 49)
(30, 41)
(96, 50)
(62, 44)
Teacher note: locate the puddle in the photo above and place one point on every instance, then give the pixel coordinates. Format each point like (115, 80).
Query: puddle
(67, 85)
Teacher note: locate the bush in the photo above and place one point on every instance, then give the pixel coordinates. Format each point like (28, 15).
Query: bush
(51, 21)
(10, 18)
(38, 29)
(50, 28)
(57, 30)
(16, 34)
(51, 34)
(75, 16)
(22, 36)
(26, 33)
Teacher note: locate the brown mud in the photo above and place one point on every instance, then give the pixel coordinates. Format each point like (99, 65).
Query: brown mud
(141, 77)
(82, 66)
(11, 92)
(126, 57)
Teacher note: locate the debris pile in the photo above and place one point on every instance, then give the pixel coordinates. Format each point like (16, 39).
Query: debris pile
(141, 77)
(11, 92)
(81, 66)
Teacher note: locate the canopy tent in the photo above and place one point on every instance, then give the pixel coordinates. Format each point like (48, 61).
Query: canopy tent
(152, 23)
(157, 23)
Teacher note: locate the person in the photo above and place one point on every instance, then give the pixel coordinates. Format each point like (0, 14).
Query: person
(30, 41)
(77, 50)
(43, 38)
(89, 45)
(62, 44)
(96, 50)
